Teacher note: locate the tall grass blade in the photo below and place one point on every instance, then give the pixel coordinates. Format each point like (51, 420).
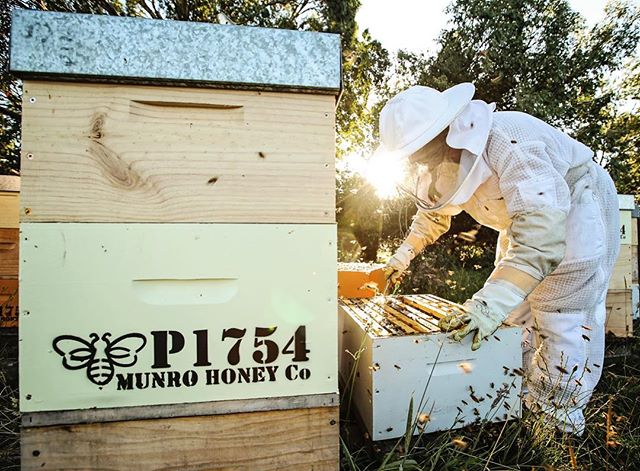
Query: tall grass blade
(345, 451)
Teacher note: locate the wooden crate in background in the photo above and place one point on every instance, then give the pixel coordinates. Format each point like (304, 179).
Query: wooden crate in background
(8, 303)
(619, 313)
(9, 249)
(621, 277)
(9, 201)
(621, 302)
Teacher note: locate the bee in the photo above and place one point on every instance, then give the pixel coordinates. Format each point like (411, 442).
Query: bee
(459, 443)
(99, 355)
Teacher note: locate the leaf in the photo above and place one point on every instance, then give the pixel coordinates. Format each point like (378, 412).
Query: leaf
(409, 430)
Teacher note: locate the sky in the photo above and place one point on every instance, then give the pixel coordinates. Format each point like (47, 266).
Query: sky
(415, 24)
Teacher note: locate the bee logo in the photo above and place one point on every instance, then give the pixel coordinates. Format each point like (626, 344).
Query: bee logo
(99, 355)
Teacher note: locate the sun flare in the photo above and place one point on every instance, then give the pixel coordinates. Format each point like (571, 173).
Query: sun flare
(381, 171)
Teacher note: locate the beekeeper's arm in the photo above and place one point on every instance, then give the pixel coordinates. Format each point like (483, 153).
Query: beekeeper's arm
(538, 201)
(425, 230)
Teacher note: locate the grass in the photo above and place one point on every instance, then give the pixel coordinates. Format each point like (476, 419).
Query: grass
(611, 440)
(9, 420)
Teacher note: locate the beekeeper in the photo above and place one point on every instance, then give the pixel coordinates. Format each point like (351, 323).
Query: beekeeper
(556, 213)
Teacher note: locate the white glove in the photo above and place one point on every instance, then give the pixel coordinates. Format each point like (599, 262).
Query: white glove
(484, 312)
(398, 264)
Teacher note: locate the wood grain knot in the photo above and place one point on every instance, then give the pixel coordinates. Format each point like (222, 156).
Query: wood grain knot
(97, 126)
(116, 170)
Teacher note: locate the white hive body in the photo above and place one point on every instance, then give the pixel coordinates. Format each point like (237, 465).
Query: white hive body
(392, 350)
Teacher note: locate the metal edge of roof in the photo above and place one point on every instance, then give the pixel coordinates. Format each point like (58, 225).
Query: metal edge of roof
(101, 47)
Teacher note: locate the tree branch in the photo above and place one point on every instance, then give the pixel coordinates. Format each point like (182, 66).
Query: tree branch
(159, 15)
(108, 7)
(150, 12)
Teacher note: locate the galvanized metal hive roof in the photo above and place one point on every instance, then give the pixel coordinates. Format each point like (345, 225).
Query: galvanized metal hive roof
(100, 47)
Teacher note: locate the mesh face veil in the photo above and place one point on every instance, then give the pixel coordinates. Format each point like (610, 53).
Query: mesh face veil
(434, 174)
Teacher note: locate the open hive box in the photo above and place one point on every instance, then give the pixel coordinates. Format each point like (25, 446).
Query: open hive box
(392, 350)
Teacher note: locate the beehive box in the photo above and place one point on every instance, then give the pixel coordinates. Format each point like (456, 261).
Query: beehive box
(8, 303)
(620, 313)
(360, 280)
(131, 153)
(392, 351)
(180, 317)
(621, 301)
(9, 251)
(9, 201)
(9, 226)
(178, 264)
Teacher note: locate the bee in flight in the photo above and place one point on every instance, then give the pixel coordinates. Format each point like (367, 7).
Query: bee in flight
(99, 355)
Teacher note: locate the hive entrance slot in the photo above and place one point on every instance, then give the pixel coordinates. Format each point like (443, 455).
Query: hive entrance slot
(185, 291)
(169, 111)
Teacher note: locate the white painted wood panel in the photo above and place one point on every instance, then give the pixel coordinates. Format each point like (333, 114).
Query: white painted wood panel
(185, 283)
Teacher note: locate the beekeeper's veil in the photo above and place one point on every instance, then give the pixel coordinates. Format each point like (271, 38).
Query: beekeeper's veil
(439, 138)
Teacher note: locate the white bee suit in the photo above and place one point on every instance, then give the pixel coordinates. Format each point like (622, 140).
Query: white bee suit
(556, 212)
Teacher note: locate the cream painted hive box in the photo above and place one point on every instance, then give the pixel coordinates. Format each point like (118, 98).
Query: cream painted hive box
(178, 244)
(622, 295)
(394, 352)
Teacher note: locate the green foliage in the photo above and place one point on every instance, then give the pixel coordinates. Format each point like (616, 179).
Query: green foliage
(359, 217)
(535, 56)
(622, 137)
(539, 57)
(452, 268)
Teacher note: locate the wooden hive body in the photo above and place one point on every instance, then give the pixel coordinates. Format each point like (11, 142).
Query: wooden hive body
(9, 256)
(131, 153)
(178, 264)
(392, 352)
(9, 247)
